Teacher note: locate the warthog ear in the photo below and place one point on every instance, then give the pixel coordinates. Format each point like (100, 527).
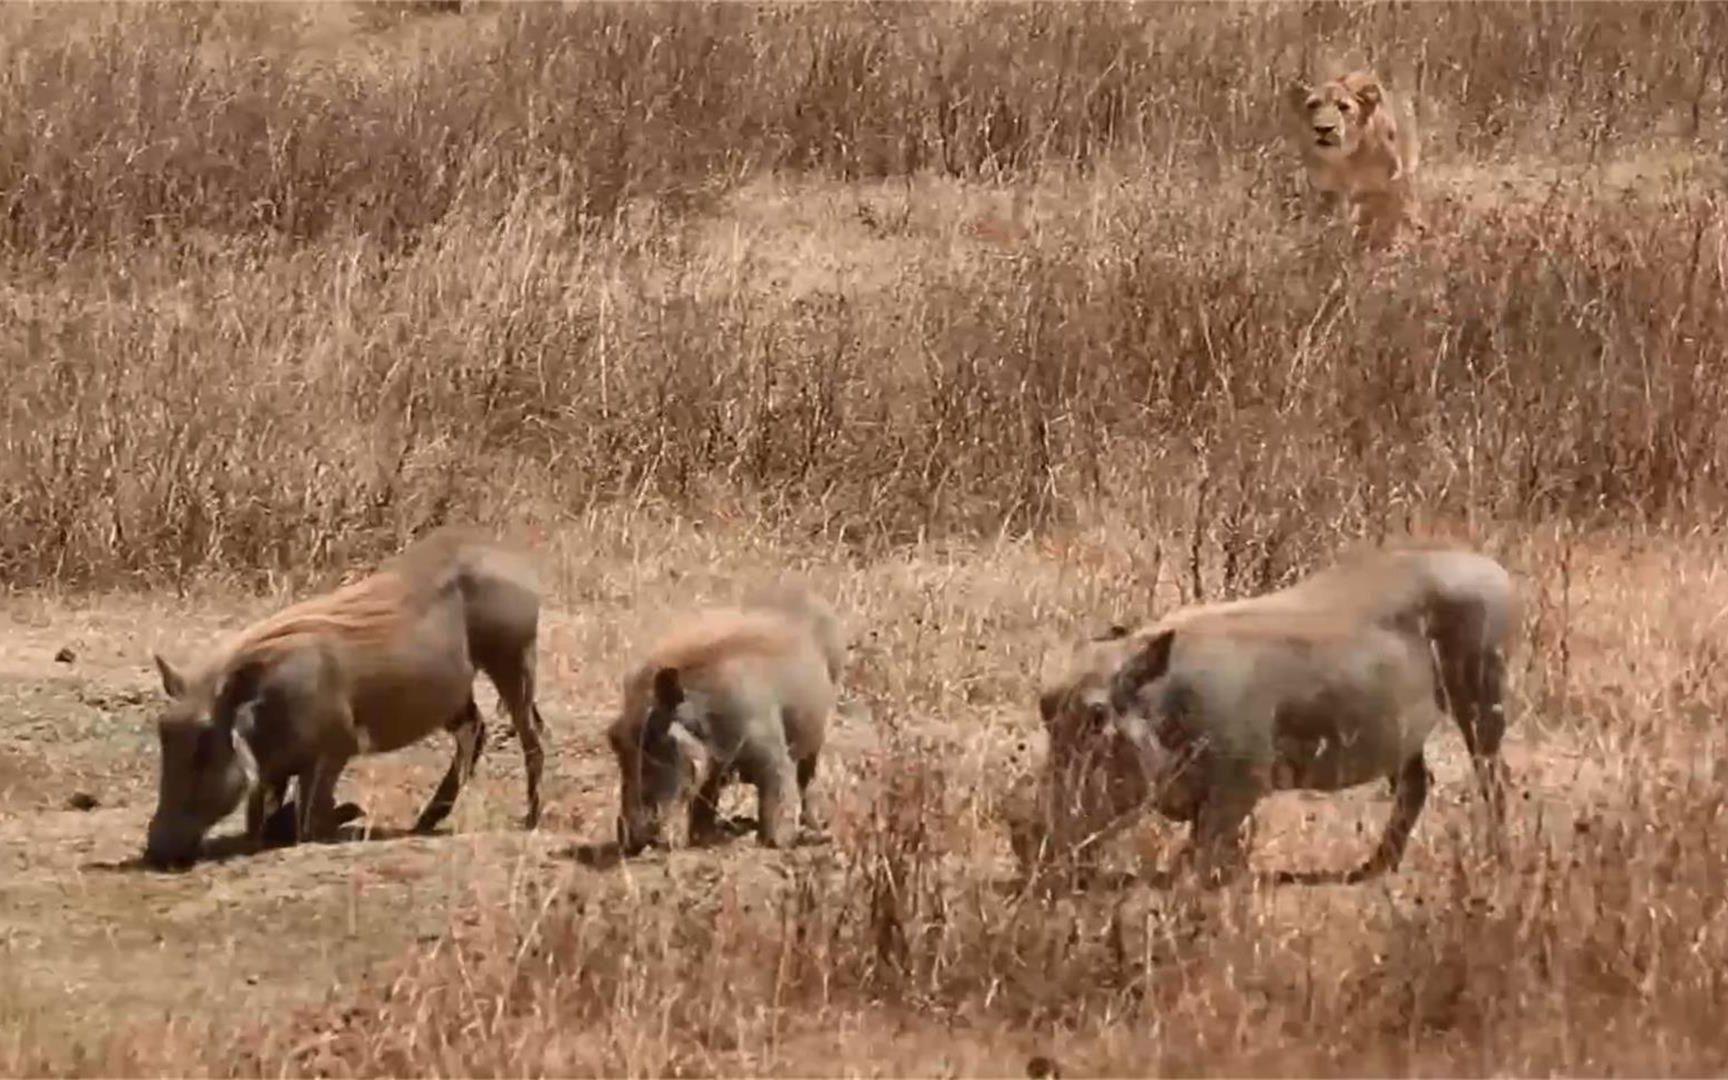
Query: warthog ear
(1143, 667)
(1116, 632)
(668, 688)
(173, 683)
(236, 705)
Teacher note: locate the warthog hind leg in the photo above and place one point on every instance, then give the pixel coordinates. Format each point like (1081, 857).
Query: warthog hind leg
(1410, 793)
(469, 730)
(811, 801)
(1409, 796)
(512, 673)
(1478, 697)
(775, 781)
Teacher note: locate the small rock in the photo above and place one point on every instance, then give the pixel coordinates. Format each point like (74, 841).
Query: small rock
(82, 800)
(65, 655)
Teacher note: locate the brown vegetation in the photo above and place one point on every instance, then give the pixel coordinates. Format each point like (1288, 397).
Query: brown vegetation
(286, 285)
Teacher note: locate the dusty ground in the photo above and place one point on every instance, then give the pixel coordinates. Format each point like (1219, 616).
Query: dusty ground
(92, 943)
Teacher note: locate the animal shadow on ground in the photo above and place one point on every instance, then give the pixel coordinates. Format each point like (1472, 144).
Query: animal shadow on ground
(607, 855)
(1166, 880)
(279, 832)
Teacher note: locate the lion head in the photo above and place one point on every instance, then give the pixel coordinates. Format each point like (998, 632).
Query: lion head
(1355, 146)
(1340, 112)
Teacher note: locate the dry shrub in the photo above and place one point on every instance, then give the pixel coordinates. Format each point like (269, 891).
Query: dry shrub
(1602, 953)
(1564, 377)
(276, 304)
(369, 293)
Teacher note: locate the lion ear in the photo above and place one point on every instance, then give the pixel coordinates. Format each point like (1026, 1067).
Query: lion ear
(1369, 94)
(1297, 94)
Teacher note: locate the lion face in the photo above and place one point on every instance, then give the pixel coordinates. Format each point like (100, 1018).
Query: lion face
(1354, 145)
(1337, 113)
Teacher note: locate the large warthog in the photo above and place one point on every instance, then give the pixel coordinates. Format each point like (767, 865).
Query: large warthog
(739, 693)
(1332, 682)
(369, 668)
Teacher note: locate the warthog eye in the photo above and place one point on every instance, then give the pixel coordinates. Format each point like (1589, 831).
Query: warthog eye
(204, 747)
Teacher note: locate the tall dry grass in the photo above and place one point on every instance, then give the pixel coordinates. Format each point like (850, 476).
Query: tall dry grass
(278, 299)
(279, 295)
(893, 956)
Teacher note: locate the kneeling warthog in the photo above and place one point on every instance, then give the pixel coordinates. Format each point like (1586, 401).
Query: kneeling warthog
(1330, 683)
(369, 668)
(733, 693)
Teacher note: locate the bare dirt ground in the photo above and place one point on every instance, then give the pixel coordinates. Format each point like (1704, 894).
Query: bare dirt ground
(93, 943)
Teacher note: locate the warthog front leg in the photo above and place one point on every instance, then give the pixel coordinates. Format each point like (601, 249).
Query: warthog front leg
(469, 730)
(318, 816)
(1217, 847)
(705, 825)
(264, 802)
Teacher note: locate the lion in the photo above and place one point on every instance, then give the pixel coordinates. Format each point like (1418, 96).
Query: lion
(1356, 147)
(1329, 683)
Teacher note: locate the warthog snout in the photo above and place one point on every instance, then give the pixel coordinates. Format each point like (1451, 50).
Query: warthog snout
(173, 842)
(207, 769)
(634, 838)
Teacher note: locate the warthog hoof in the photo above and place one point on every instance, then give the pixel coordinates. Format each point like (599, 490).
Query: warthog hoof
(282, 829)
(723, 830)
(1043, 1068)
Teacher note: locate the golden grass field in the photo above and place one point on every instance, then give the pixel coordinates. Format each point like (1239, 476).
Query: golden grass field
(995, 323)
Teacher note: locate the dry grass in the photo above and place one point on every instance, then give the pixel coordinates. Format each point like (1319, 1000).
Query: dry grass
(1001, 322)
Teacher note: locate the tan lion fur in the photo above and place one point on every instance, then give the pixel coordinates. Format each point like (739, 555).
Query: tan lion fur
(1359, 145)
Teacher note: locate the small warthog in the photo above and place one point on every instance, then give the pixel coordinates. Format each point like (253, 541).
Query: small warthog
(369, 668)
(733, 693)
(1092, 782)
(1326, 684)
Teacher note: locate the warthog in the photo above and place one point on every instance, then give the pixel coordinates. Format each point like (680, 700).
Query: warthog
(369, 668)
(1323, 685)
(733, 693)
(1093, 782)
